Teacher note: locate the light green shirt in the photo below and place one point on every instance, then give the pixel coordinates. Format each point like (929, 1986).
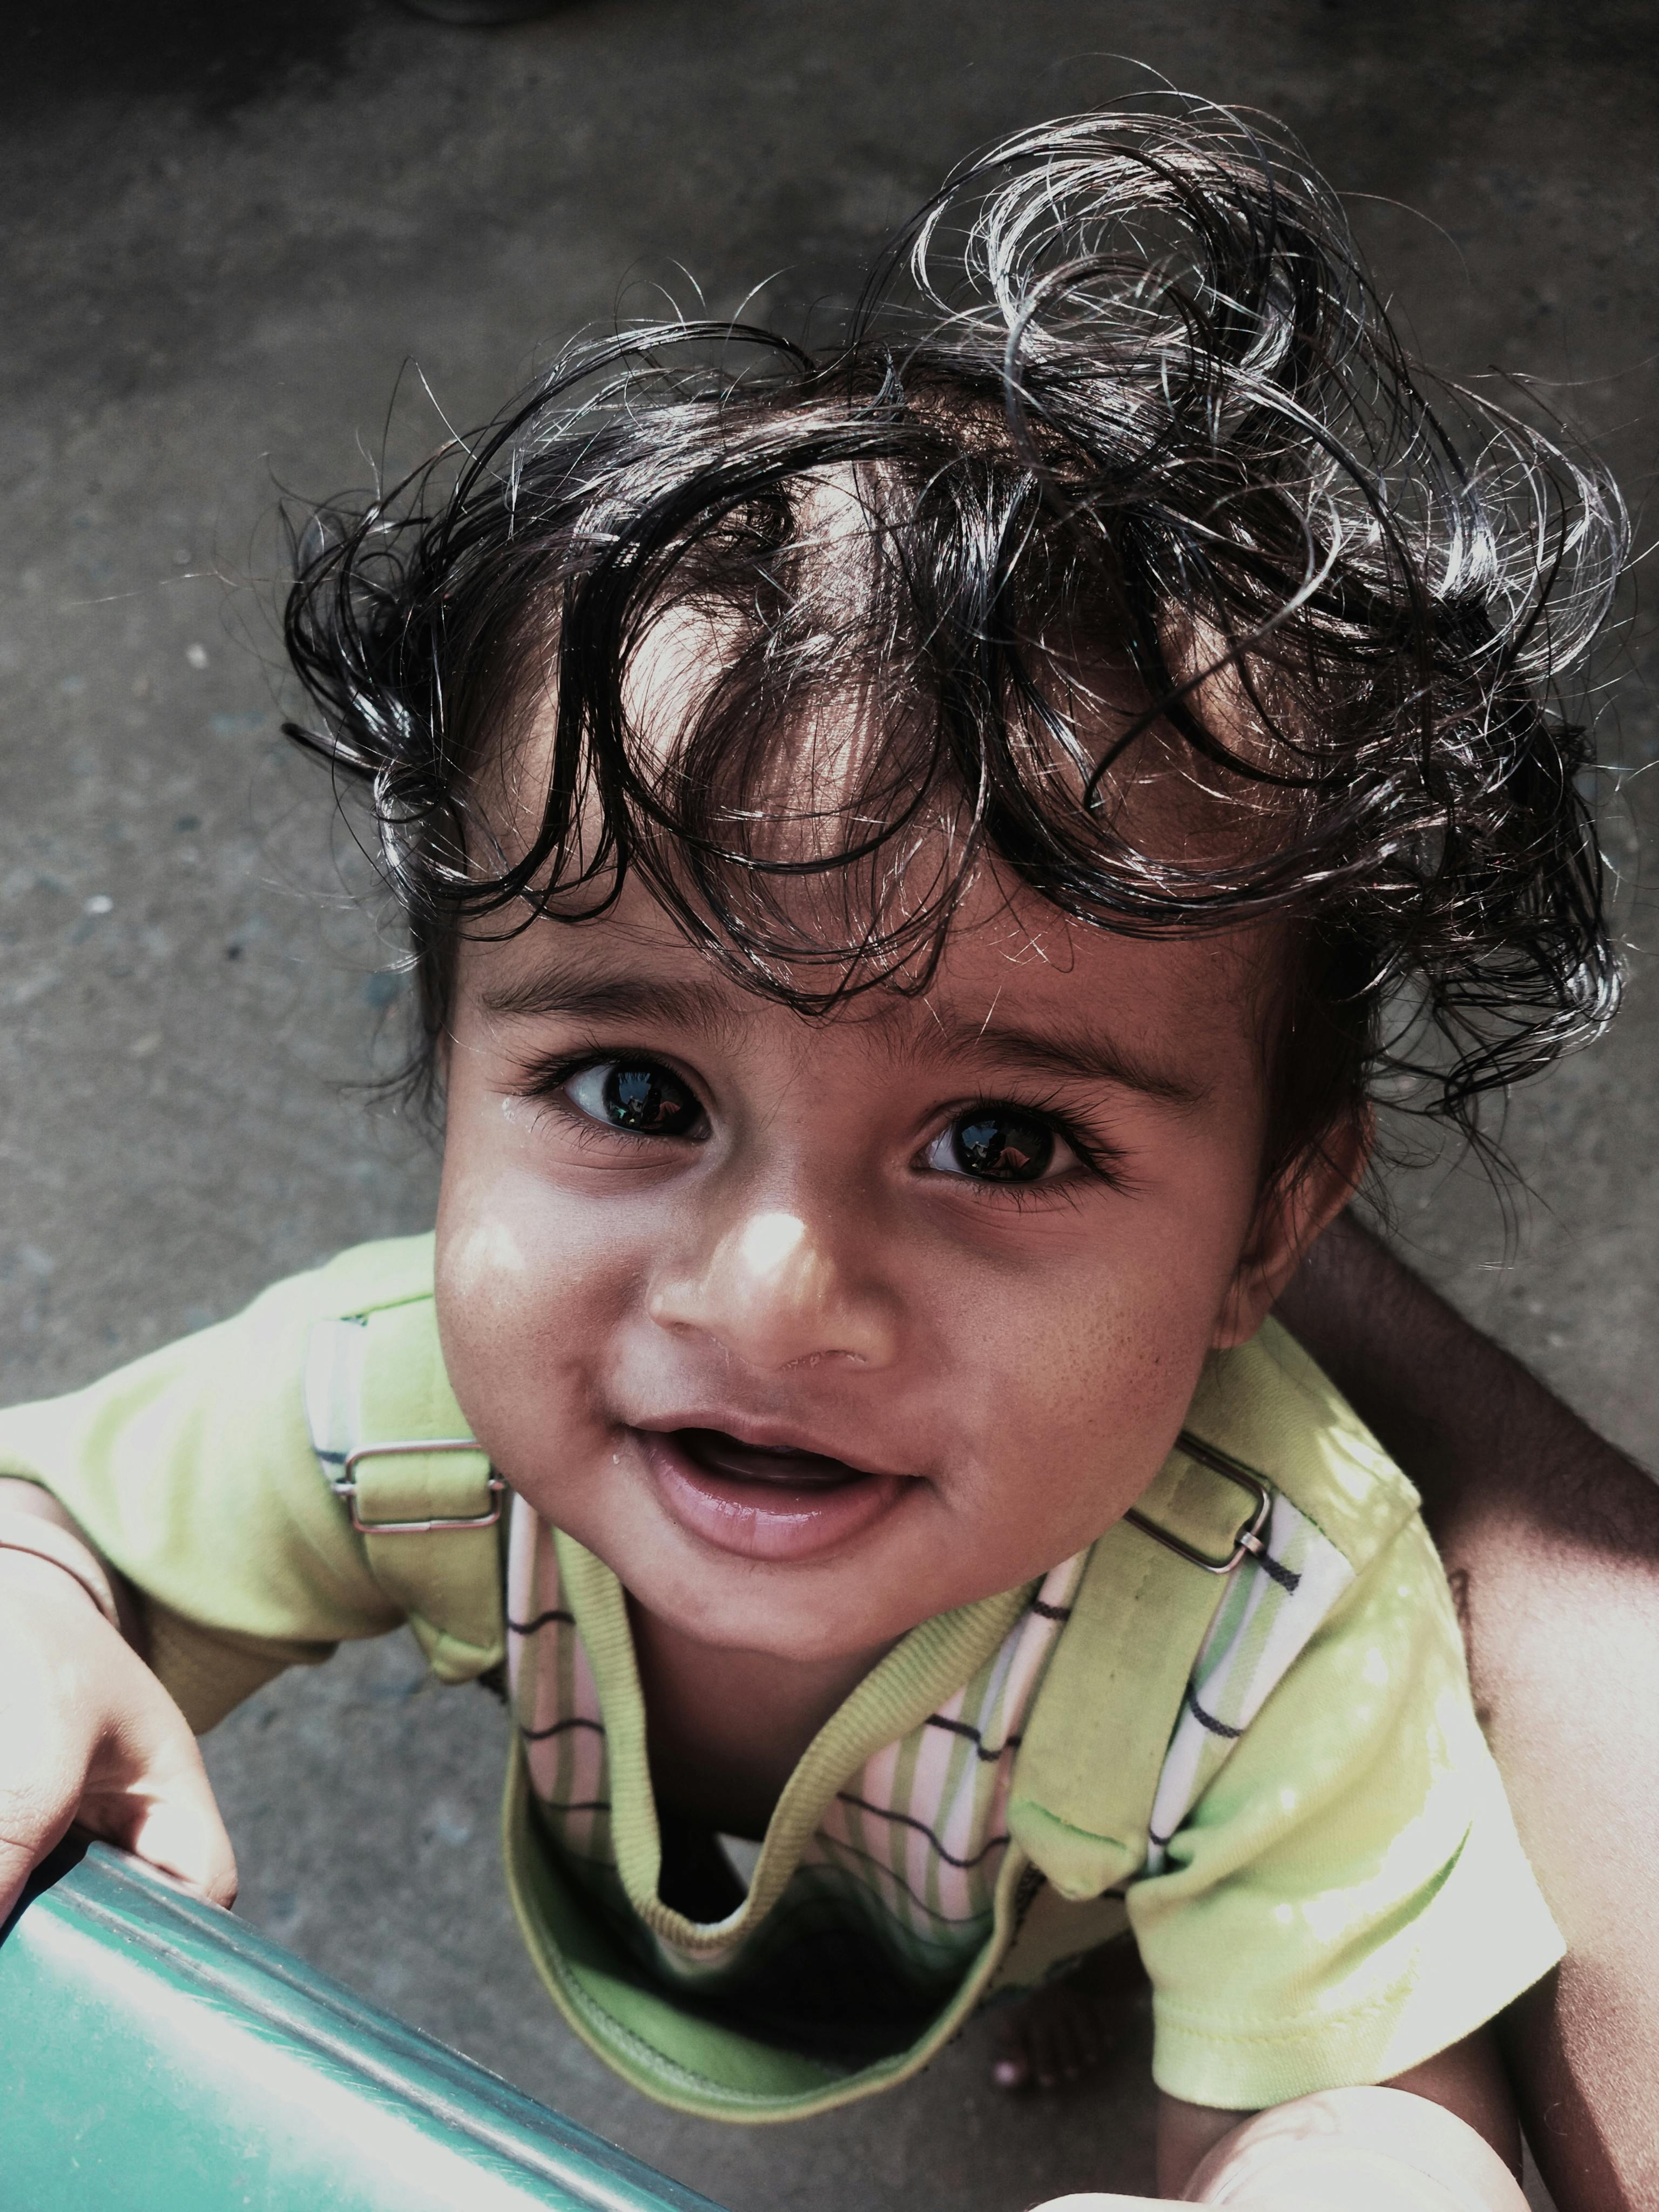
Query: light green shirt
(1338, 1892)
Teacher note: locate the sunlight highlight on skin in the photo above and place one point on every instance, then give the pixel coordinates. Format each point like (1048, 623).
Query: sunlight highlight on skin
(767, 1244)
(766, 1292)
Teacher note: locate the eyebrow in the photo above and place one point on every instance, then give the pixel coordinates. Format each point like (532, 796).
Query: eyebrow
(559, 989)
(1095, 1058)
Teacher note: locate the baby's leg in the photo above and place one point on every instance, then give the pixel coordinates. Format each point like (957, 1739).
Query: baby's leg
(1067, 2030)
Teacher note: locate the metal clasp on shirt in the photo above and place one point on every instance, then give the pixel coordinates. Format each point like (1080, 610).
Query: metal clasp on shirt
(1247, 1543)
(344, 1485)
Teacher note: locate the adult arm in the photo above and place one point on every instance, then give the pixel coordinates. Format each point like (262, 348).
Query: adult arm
(1551, 1539)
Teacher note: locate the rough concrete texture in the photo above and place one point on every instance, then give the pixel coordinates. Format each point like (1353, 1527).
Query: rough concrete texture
(230, 232)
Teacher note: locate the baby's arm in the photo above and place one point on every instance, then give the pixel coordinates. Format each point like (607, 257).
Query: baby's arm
(192, 1473)
(87, 1733)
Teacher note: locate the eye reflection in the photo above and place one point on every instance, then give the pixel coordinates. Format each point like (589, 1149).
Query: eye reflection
(638, 1095)
(995, 1144)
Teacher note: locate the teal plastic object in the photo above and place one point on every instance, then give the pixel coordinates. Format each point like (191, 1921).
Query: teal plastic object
(158, 2056)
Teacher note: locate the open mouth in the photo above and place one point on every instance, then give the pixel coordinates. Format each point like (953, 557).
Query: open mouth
(764, 1501)
(718, 1454)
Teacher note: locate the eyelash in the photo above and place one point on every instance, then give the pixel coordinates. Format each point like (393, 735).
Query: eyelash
(545, 1080)
(1103, 1162)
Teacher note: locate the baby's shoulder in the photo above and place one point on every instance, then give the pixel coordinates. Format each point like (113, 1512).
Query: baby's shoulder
(1268, 1405)
(280, 1335)
(393, 1271)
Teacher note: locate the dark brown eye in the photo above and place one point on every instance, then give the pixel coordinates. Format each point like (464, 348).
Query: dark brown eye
(641, 1095)
(995, 1144)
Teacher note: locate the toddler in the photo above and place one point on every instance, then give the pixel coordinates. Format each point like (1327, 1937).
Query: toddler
(918, 861)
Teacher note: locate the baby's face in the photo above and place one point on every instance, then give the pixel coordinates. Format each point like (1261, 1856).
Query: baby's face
(814, 1329)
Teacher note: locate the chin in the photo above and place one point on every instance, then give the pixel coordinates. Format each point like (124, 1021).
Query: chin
(781, 1632)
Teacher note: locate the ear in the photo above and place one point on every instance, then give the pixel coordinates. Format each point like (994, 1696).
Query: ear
(1293, 1210)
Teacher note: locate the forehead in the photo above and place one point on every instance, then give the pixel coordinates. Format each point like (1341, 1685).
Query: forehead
(1015, 983)
(841, 852)
(838, 752)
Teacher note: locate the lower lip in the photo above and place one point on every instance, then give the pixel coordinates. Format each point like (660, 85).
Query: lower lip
(764, 1520)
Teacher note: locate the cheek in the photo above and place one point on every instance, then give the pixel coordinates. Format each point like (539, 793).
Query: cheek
(1079, 1392)
(1090, 1373)
(525, 1292)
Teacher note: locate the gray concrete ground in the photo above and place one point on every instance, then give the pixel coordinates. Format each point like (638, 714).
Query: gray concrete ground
(227, 232)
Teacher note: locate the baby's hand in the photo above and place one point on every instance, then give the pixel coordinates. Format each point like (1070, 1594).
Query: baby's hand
(88, 1733)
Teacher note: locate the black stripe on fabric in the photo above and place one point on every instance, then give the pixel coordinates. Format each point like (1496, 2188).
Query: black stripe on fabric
(982, 1750)
(945, 1919)
(1209, 1720)
(1158, 1842)
(329, 1458)
(906, 1820)
(1286, 1577)
(529, 1627)
(559, 1728)
(583, 1805)
(1050, 1612)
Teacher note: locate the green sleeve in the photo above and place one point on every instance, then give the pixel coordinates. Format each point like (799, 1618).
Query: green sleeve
(1349, 1896)
(192, 1471)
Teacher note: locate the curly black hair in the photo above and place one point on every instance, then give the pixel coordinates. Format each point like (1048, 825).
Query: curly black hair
(1119, 414)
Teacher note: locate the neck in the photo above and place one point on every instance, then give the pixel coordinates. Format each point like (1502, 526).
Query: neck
(725, 1728)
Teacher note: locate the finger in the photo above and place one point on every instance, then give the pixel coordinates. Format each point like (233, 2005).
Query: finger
(178, 1834)
(35, 1818)
(162, 1810)
(88, 1733)
(20, 1854)
(148, 1792)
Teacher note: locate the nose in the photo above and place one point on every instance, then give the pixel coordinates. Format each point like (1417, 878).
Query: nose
(772, 1294)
